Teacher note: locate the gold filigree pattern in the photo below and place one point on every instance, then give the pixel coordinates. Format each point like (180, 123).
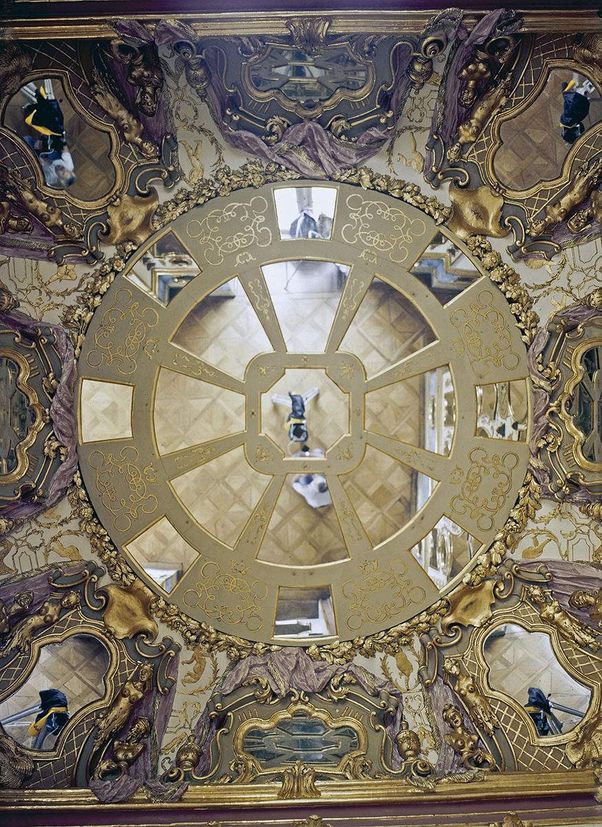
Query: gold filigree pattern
(110, 467)
(217, 236)
(124, 352)
(366, 602)
(360, 229)
(490, 472)
(217, 581)
(472, 324)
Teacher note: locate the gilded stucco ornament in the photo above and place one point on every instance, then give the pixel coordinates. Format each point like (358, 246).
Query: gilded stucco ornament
(512, 820)
(130, 218)
(581, 187)
(16, 765)
(586, 749)
(568, 456)
(125, 751)
(23, 634)
(590, 601)
(469, 131)
(130, 128)
(478, 706)
(473, 756)
(470, 605)
(109, 722)
(568, 627)
(128, 611)
(476, 212)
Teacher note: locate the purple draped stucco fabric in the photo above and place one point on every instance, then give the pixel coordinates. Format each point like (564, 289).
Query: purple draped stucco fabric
(62, 414)
(37, 583)
(143, 772)
(440, 695)
(449, 112)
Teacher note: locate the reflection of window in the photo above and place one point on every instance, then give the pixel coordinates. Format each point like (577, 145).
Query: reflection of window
(165, 269)
(67, 677)
(305, 212)
(304, 613)
(445, 550)
(524, 666)
(445, 269)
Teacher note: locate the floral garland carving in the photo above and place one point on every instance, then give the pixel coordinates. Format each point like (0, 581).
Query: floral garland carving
(255, 174)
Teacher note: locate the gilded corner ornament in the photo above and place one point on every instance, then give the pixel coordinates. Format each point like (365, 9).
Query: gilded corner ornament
(130, 218)
(128, 611)
(476, 212)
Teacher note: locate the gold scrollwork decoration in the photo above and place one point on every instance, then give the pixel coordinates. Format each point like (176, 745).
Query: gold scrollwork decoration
(477, 499)
(468, 323)
(124, 350)
(365, 604)
(217, 240)
(360, 228)
(111, 470)
(228, 593)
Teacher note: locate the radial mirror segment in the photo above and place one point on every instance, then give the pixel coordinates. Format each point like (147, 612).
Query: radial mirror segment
(309, 452)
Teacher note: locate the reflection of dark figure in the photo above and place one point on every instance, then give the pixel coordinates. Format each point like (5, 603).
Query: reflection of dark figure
(51, 719)
(45, 119)
(539, 709)
(305, 225)
(296, 419)
(575, 109)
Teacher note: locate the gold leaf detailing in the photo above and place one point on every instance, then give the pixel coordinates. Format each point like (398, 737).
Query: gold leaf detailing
(228, 594)
(477, 704)
(360, 229)
(111, 469)
(550, 611)
(216, 238)
(299, 781)
(464, 743)
(484, 486)
(123, 351)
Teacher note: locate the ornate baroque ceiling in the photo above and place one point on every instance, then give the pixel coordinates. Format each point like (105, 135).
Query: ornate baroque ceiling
(300, 461)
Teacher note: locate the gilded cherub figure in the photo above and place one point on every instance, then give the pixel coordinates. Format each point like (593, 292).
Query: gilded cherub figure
(550, 611)
(133, 690)
(468, 132)
(49, 612)
(477, 704)
(126, 751)
(590, 601)
(464, 743)
(21, 603)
